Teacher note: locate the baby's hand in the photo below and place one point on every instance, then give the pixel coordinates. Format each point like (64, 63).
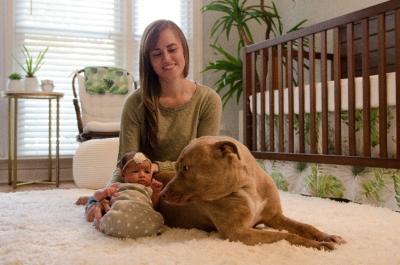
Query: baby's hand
(156, 185)
(111, 190)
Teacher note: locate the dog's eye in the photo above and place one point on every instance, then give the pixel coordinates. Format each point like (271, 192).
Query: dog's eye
(185, 168)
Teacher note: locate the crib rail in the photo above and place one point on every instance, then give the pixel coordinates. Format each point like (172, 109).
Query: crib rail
(287, 82)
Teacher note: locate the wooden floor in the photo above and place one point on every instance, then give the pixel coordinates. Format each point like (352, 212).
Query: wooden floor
(63, 185)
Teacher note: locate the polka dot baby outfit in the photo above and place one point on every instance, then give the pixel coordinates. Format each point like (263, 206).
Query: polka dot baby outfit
(132, 214)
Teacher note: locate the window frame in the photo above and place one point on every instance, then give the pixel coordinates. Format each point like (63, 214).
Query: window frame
(7, 38)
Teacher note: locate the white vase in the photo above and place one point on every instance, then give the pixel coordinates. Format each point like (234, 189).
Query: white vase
(31, 84)
(14, 85)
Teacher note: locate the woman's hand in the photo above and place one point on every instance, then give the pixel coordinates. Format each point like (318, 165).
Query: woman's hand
(154, 168)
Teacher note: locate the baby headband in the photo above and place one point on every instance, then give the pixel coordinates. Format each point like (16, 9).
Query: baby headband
(138, 158)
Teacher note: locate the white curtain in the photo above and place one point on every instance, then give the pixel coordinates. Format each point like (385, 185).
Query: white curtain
(81, 33)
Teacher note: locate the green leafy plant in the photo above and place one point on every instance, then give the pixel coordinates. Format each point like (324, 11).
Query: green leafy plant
(14, 76)
(321, 185)
(30, 65)
(237, 16)
(280, 181)
(396, 182)
(373, 188)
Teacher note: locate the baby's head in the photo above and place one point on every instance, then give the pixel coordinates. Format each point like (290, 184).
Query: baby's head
(135, 168)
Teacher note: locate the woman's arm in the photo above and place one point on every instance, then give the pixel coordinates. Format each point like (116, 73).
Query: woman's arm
(210, 118)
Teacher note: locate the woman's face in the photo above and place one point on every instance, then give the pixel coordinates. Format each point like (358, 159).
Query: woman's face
(167, 57)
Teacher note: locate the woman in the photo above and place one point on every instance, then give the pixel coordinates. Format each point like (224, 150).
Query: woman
(168, 110)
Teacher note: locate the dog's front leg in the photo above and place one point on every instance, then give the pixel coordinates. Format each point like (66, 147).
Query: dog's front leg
(282, 222)
(252, 236)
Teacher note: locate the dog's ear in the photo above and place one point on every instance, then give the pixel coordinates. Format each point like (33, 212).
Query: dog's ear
(227, 148)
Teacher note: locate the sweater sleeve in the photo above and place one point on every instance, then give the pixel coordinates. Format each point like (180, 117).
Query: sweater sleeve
(210, 118)
(165, 166)
(116, 176)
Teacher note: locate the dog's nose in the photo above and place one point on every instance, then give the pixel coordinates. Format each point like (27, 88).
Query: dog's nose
(163, 193)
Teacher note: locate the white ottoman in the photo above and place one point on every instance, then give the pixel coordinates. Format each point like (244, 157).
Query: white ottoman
(94, 161)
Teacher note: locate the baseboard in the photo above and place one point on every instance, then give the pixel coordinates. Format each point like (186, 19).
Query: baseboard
(36, 169)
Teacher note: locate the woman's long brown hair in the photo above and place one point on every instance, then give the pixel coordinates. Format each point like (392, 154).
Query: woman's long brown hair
(149, 83)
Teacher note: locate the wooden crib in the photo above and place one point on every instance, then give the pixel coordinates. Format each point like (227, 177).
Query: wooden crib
(313, 95)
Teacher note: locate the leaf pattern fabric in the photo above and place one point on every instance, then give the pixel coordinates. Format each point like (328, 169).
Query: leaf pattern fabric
(376, 186)
(103, 80)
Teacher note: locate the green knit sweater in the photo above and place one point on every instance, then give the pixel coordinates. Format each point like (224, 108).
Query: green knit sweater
(199, 116)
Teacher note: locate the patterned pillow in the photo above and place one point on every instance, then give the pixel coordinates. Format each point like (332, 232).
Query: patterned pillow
(102, 80)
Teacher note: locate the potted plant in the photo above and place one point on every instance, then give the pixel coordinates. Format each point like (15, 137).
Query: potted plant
(237, 16)
(31, 66)
(14, 81)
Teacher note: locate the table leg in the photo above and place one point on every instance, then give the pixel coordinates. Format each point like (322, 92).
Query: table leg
(58, 144)
(15, 129)
(10, 141)
(49, 153)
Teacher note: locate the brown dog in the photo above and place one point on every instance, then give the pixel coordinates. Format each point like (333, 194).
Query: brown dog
(219, 185)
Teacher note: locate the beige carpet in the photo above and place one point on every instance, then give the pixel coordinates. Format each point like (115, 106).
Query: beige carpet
(45, 227)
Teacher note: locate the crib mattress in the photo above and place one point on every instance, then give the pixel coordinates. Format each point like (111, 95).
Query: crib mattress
(374, 87)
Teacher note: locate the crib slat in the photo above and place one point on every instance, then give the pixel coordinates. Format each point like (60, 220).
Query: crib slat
(254, 105)
(263, 81)
(351, 88)
(366, 89)
(246, 102)
(397, 37)
(359, 49)
(290, 92)
(271, 65)
(313, 131)
(301, 95)
(324, 94)
(280, 102)
(338, 89)
(382, 87)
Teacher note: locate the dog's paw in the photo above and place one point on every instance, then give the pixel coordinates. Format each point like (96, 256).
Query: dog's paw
(325, 246)
(335, 239)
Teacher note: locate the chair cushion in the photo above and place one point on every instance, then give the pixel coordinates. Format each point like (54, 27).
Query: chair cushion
(100, 108)
(102, 80)
(95, 126)
(94, 162)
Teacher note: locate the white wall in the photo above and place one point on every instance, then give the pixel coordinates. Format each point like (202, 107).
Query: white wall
(292, 12)
(316, 11)
(229, 124)
(5, 66)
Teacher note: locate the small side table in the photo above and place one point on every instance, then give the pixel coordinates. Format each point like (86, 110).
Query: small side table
(13, 97)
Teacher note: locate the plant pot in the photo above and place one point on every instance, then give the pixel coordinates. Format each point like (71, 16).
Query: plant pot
(31, 84)
(14, 85)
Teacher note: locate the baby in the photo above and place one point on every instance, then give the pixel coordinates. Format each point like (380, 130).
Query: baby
(126, 209)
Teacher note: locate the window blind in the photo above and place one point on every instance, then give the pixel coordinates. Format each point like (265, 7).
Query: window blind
(78, 34)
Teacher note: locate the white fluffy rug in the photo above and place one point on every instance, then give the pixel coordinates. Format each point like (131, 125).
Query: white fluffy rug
(45, 227)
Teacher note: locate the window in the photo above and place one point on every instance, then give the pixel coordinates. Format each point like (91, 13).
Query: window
(81, 33)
